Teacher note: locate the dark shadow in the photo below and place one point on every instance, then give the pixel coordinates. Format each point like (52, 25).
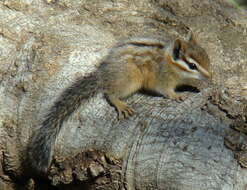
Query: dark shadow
(182, 88)
(187, 88)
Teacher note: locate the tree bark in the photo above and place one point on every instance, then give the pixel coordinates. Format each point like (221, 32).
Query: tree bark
(46, 45)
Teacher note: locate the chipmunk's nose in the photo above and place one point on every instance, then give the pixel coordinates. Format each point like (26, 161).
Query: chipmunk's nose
(206, 74)
(209, 77)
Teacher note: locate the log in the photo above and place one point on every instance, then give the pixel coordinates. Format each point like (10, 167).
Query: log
(46, 45)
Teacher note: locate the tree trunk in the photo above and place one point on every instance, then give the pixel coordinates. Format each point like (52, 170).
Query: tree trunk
(46, 45)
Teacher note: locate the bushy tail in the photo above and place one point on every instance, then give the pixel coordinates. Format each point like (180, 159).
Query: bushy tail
(43, 141)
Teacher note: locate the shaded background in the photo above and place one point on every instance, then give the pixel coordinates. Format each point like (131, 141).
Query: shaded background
(240, 3)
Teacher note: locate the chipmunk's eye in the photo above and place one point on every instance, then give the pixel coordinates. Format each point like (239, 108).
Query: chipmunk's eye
(192, 66)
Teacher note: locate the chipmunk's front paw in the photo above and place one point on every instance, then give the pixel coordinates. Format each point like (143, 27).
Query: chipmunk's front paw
(124, 112)
(177, 97)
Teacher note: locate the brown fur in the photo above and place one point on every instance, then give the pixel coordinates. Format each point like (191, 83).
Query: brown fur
(130, 66)
(144, 65)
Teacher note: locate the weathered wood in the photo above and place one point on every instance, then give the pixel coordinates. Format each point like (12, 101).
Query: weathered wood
(45, 45)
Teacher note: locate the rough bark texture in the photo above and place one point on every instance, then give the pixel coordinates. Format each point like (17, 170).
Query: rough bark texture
(45, 45)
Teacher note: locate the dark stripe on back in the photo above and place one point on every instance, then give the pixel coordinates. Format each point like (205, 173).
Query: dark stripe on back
(140, 44)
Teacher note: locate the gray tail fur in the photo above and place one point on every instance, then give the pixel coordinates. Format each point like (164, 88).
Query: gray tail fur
(42, 144)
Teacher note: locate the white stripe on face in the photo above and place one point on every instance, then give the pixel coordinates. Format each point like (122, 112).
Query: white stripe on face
(199, 73)
(183, 64)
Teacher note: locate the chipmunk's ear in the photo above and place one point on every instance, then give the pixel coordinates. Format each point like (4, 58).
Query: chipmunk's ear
(191, 38)
(176, 49)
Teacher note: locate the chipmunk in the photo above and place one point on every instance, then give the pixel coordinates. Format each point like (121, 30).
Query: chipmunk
(132, 65)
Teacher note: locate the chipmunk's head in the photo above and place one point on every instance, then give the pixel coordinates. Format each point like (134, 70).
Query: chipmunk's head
(189, 59)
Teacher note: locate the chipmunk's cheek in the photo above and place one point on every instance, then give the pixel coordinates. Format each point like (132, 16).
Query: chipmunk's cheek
(202, 77)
